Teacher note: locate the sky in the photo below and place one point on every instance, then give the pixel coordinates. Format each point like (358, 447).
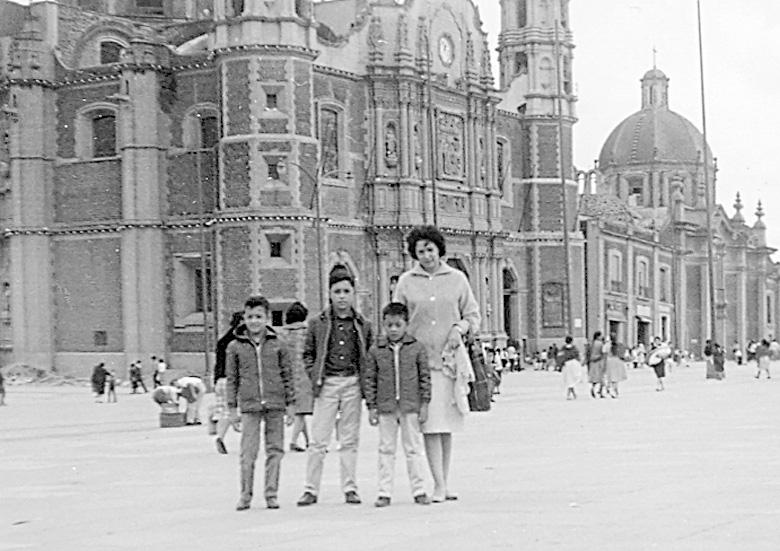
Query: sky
(614, 42)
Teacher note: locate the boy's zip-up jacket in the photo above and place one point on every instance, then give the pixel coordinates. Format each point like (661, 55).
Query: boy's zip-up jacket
(315, 347)
(402, 382)
(259, 376)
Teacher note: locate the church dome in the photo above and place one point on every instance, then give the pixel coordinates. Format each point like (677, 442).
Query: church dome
(655, 134)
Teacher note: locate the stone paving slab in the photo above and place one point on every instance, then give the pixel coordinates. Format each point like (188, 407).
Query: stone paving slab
(692, 468)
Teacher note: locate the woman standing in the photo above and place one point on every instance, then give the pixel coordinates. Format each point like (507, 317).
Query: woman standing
(294, 334)
(616, 367)
(221, 413)
(764, 356)
(568, 361)
(442, 309)
(657, 360)
(596, 365)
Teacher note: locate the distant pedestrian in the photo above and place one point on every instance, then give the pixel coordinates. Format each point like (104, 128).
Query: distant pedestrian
(616, 366)
(110, 386)
(398, 391)
(764, 358)
(191, 389)
(260, 383)
(2, 389)
(656, 359)
(736, 350)
(136, 377)
(221, 411)
(568, 362)
(98, 380)
(774, 348)
(294, 334)
(159, 369)
(596, 360)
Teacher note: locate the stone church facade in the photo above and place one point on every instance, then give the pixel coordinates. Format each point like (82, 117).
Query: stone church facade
(163, 159)
(643, 215)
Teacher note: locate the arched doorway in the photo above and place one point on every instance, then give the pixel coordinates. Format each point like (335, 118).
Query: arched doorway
(511, 318)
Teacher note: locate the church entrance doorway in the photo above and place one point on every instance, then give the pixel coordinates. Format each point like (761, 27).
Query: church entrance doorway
(510, 304)
(642, 332)
(616, 331)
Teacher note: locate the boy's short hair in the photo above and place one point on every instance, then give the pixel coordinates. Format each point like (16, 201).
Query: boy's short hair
(396, 309)
(295, 313)
(338, 274)
(257, 300)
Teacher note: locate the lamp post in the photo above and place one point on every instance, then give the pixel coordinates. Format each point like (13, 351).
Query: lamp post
(431, 126)
(315, 179)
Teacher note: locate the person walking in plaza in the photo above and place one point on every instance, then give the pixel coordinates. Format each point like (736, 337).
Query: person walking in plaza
(398, 390)
(110, 386)
(334, 354)
(136, 377)
(221, 411)
(656, 358)
(442, 309)
(158, 368)
(736, 350)
(568, 363)
(260, 382)
(294, 334)
(616, 366)
(2, 389)
(594, 357)
(192, 389)
(764, 358)
(98, 381)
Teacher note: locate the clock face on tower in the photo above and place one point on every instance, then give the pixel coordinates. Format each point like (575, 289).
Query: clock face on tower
(446, 50)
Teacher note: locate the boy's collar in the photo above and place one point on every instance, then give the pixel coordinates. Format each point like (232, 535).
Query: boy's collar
(406, 339)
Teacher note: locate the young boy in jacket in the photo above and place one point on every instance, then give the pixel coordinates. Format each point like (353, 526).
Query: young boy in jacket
(398, 389)
(334, 355)
(260, 382)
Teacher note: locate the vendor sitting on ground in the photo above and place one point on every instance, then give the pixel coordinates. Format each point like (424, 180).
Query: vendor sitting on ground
(193, 390)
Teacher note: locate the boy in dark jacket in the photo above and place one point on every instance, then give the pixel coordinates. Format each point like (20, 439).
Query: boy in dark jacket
(334, 356)
(398, 389)
(260, 382)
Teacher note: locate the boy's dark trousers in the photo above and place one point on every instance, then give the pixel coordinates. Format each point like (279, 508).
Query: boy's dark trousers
(250, 446)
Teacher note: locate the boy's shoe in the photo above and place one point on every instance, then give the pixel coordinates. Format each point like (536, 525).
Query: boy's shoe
(242, 505)
(307, 498)
(383, 501)
(271, 503)
(221, 446)
(422, 500)
(352, 498)
(296, 448)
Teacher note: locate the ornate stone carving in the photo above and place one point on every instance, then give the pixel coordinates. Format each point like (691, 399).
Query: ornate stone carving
(418, 158)
(391, 145)
(403, 32)
(450, 145)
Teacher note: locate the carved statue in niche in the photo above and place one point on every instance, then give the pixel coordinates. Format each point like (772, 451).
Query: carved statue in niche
(375, 35)
(403, 32)
(418, 158)
(482, 171)
(450, 144)
(329, 141)
(391, 145)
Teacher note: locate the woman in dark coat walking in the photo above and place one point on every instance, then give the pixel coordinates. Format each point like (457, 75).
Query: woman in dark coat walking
(294, 333)
(98, 379)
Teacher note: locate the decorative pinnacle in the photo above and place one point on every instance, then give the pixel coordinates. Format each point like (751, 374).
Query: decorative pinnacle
(738, 207)
(759, 214)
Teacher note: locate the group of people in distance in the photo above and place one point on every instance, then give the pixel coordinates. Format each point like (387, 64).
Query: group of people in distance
(605, 361)
(410, 378)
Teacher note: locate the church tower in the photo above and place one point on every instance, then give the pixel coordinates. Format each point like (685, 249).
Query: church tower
(535, 53)
(268, 159)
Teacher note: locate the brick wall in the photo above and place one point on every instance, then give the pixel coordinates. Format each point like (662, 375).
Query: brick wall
(191, 89)
(236, 177)
(237, 98)
(87, 294)
(235, 270)
(302, 97)
(550, 211)
(693, 308)
(182, 183)
(88, 191)
(547, 151)
(280, 283)
(70, 100)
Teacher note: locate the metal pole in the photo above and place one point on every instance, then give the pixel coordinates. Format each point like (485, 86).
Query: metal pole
(203, 280)
(709, 199)
(564, 206)
(318, 230)
(431, 128)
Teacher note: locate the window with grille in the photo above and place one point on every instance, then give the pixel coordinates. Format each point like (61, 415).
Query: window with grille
(103, 134)
(110, 52)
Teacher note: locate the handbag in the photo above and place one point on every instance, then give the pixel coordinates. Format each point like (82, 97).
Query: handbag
(480, 391)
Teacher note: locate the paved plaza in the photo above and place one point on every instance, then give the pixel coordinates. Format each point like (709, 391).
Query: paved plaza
(694, 467)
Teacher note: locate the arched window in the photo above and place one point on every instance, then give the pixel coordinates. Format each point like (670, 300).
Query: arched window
(110, 52)
(103, 126)
(642, 280)
(200, 128)
(615, 269)
(521, 63)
